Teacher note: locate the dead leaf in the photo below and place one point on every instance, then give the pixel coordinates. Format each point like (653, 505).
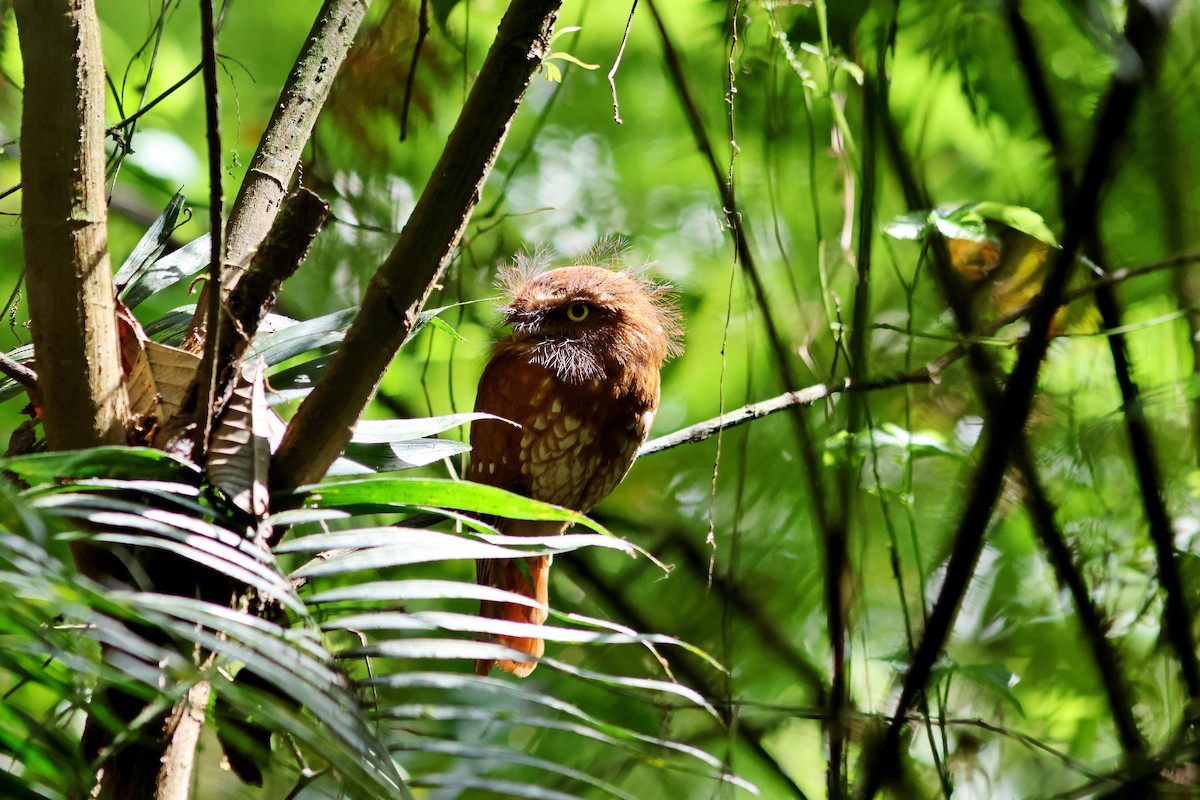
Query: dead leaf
(240, 454)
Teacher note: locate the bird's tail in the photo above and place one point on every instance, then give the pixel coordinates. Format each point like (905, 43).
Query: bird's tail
(507, 574)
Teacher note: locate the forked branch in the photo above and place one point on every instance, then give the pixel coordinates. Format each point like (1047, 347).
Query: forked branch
(322, 425)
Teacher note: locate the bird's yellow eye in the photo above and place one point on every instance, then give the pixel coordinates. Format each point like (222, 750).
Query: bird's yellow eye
(578, 312)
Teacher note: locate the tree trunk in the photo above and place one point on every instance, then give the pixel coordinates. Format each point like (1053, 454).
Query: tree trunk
(63, 221)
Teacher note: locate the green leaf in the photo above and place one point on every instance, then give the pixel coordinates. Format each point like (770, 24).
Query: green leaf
(1022, 219)
(909, 226)
(465, 686)
(572, 60)
(398, 492)
(416, 589)
(921, 444)
(150, 245)
(184, 263)
(298, 668)
(172, 327)
(451, 649)
(995, 677)
(280, 345)
(399, 455)
(961, 224)
(411, 546)
(101, 462)
(462, 785)
(446, 328)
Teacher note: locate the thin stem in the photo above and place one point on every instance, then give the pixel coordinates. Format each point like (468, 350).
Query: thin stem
(207, 377)
(612, 73)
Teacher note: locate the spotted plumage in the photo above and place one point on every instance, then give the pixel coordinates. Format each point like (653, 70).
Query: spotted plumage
(579, 375)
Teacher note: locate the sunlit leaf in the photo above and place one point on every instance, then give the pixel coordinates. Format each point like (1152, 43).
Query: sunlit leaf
(150, 245)
(184, 263)
(101, 462)
(386, 491)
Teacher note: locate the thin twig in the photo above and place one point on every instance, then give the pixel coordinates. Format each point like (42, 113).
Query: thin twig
(786, 401)
(207, 373)
(19, 373)
(141, 112)
(929, 373)
(411, 81)
(271, 170)
(612, 73)
(813, 470)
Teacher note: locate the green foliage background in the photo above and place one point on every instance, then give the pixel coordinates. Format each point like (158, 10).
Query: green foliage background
(1017, 709)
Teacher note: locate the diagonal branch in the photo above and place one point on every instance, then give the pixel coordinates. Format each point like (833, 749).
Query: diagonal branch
(394, 298)
(1145, 33)
(253, 296)
(291, 125)
(1141, 442)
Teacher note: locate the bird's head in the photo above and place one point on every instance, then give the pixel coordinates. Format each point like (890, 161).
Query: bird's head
(590, 323)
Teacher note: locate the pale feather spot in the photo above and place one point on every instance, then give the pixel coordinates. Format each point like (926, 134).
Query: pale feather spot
(647, 422)
(555, 407)
(571, 423)
(526, 440)
(568, 440)
(491, 469)
(540, 423)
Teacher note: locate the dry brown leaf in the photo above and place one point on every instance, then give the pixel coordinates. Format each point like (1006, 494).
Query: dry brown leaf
(240, 454)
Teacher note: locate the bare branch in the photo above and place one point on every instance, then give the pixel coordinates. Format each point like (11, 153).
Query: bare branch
(802, 397)
(287, 133)
(612, 73)
(1177, 616)
(20, 373)
(394, 298)
(411, 82)
(179, 759)
(300, 219)
(206, 375)
(1146, 33)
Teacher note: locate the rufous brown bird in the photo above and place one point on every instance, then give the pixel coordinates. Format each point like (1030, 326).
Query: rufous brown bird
(580, 375)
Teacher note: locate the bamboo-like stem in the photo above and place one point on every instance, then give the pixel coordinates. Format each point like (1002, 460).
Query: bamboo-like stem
(322, 425)
(67, 267)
